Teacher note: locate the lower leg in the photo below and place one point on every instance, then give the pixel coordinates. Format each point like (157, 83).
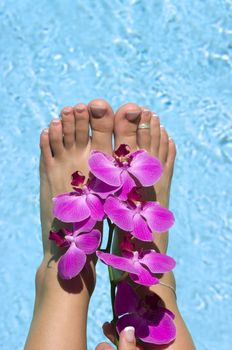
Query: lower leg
(156, 141)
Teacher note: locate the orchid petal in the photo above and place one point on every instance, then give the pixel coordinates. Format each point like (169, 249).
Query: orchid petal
(96, 207)
(70, 208)
(141, 229)
(143, 276)
(77, 179)
(157, 262)
(102, 166)
(119, 213)
(145, 168)
(58, 238)
(89, 241)
(84, 226)
(118, 262)
(101, 188)
(129, 320)
(127, 184)
(122, 150)
(126, 299)
(72, 262)
(159, 330)
(159, 219)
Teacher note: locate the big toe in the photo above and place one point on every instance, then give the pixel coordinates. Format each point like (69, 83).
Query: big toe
(101, 122)
(126, 123)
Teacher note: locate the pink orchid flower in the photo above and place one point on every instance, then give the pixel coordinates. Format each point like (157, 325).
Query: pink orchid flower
(82, 205)
(139, 218)
(124, 167)
(141, 265)
(79, 245)
(152, 322)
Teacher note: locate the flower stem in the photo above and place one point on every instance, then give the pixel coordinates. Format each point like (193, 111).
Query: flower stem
(113, 283)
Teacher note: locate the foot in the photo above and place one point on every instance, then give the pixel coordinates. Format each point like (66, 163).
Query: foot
(65, 148)
(157, 143)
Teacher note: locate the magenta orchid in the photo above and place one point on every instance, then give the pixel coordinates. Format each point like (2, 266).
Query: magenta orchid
(124, 168)
(80, 205)
(141, 265)
(79, 245)
(112, 192)
(152, 322)
(139, 218)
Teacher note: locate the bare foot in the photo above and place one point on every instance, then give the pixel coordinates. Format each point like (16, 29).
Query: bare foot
(155, 141)
(65, 148)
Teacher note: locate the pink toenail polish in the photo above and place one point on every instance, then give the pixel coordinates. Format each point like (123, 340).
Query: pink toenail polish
(132, 115)
(98, 111)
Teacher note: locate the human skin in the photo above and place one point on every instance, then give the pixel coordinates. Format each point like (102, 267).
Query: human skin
(61, 307)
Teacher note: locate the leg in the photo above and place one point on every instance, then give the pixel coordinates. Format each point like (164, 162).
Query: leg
(156, 141)
(60, 312)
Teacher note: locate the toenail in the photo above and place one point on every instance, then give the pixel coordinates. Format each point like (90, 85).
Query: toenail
(80, 108)
(170, 139)
(146, 110)
(155, 115)
(98, 111)
(162, 127)
(132, 115)
(67, 110)
(56, 121)
(45, 131)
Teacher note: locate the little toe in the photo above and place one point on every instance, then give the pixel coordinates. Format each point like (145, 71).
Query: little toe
(171, 155)
(45, 146)
(143, 131)
(101, 122)
(68, 123)
(155, 134)
(126, 123)
(164, 145)
(81, 125)
(56, 137)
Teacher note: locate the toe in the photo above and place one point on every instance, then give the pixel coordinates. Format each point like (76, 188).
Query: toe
(155, 134)
(56, 137)
(68, 123)
(126, 122)
(101, 122)
(143, 133)
(171, 154)
(45, 146)
(164, 145)
(81, 125)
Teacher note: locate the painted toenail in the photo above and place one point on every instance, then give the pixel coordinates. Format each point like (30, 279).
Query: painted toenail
(56, 121)
(80, 108)
(98, 111)
(67, 110)
(132, 115)
(45, 131)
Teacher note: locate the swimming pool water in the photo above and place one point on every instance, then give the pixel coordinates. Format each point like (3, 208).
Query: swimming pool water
(173, 56)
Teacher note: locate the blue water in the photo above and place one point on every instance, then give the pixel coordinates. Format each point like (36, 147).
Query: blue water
(173, 56)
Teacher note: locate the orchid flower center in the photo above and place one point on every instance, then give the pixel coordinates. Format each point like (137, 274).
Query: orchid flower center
(136, 257)
(69, 238)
